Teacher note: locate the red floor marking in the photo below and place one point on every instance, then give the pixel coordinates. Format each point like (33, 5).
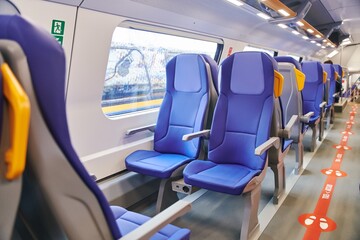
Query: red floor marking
(318, 222)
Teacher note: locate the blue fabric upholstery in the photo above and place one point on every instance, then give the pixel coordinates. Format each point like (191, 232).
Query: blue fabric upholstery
(128, 221)
(154, 163)
(48, 80)
(183, 111)
(338, 69)
(241, 123)
(313, 91)
(287, 144)
(329, 68)
(288, 59)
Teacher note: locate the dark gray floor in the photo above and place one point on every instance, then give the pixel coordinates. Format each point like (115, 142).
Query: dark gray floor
(345, 205)
(218, 216)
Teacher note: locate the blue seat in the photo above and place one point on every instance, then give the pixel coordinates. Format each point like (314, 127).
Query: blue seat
(330, 93)
(72, 205)
(338, 80)
(184, 110)
(241, 122)
(313, 95)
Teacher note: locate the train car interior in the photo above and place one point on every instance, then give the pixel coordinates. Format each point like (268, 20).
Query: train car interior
(169, 119)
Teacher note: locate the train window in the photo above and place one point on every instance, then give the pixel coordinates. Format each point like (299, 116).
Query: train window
(135, 73)
(250, 48)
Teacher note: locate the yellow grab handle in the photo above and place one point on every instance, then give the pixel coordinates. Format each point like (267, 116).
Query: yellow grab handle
(336, 76)
(19, 114)
(300, 79)
(324, 76)
(278, 83)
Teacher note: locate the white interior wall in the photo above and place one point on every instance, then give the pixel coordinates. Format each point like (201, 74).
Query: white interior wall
(101, 142)
(42, 13)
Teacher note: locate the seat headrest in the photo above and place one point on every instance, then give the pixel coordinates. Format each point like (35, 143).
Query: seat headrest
(338, 69)
(186, 72)
(288, 59)
(329, 68)
(313, 72)
(250, 74)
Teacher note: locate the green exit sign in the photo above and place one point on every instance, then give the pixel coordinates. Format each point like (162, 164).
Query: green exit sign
(57, 27)
(57, 30)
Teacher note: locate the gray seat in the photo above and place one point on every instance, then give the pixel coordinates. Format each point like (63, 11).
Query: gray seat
(59, 199)
(294, 81)
(281, 128)
(313, 98)
(12, 147)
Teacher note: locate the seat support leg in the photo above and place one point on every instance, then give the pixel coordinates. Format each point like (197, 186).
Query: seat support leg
(250, 222)
(321, 128)
(327, 119)
(166, 196)
(332, 114)
(299, 157)
(313, 138)
(279, 177)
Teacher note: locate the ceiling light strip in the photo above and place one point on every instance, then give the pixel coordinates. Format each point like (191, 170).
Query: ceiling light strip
(278, 6)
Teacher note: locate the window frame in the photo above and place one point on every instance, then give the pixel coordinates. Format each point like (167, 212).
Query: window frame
(158, 29)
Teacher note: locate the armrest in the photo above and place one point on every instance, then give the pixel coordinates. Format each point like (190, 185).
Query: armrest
(272, 142)
(285, 133)
(323, 104)
(159, 221)
(132, 131)
(204, 133)
(165, 217)
(336, 94)
(306, 118)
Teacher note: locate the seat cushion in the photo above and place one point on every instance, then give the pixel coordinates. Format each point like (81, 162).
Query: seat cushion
(287, 143)
(313, 119)
(127, 221)
(304, 128)
(155, 164)
(225, 178)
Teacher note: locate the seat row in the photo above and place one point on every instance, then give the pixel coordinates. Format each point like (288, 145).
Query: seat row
(235, 160)
(60, 200)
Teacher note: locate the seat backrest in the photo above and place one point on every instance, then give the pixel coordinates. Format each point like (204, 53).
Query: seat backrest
(287, 59)
(329, 68)
(243, 112)
(313, 91)
(338, 69)
(55, 180)
(185, 106)
(291, 97)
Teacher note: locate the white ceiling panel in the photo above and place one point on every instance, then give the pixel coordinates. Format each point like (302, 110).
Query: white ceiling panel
(349, 12)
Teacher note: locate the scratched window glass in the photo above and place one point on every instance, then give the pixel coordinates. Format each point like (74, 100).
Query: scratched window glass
(136, 70)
